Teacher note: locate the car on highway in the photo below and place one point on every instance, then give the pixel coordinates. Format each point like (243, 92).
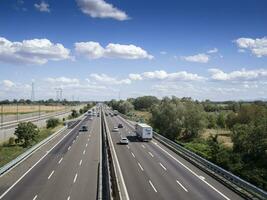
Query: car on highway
(120, 126)
(115, 129)
(83, 128)
(124, 140)
(90, 118)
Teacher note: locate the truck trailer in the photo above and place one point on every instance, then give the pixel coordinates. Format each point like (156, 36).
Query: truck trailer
(144, 132)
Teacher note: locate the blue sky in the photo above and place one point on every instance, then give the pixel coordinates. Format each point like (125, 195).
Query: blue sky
(96, 49)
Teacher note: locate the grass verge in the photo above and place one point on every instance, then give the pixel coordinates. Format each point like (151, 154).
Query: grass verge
(10, 152)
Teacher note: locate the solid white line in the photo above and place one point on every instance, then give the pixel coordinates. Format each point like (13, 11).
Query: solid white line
(191, 171)
(151, 154)
(163, 166)
(69, 148)
(75, 178)
(181, 185)
(133, 154)
(140, 166)
(35, 164)
(35, 197)
(83, 152)
(80, 162)
(51, 174)
(152, 186)
(60, 160)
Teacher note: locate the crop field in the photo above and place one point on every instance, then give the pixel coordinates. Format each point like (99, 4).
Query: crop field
(22, 109)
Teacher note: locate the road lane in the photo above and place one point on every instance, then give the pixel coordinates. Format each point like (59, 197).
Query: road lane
(176, 179)
(62, 164)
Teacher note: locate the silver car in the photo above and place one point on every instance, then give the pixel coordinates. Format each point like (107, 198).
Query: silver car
(124, 141)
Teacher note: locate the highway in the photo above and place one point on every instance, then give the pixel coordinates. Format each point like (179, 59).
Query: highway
(68, 171)
(151, 171)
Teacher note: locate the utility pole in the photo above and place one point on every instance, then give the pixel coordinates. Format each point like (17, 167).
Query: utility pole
(2, 110)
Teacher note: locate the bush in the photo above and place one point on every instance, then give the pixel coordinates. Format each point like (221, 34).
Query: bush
(26, 132)
(11, 141)
(52, 123)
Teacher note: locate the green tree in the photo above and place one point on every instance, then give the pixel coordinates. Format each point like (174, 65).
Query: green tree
(52, 123)
(145, 102)
(221, 120)
(26, 132)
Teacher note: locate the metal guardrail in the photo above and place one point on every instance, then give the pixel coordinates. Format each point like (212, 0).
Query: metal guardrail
(27, 153)
(231, 178)
(242, 187)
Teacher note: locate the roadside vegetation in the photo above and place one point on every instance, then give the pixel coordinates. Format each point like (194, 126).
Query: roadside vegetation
(230, 134)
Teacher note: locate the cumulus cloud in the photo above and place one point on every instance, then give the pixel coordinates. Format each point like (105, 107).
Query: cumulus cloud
(93, 50)
(35, 51)
(42, 6)
(105, 79)
(101, 9)
(199, 58)
(8, 83)
(63, 80)
(163, 75)
(258, 46)
(211, 51)
(242, 75)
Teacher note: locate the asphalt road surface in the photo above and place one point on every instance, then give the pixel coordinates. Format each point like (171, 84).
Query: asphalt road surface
(151, 171)
(69, 171)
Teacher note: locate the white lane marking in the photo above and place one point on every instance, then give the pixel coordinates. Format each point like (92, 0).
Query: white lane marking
(47, 152)
(73, 141)
(68, 198)
(133, 154)
(143, 146)
(163, 166)
(152, 186)
(128, 147)
(86, 145)
(88, 139)
(202, 177)
(80, 163)
(181, 185)
(224, 196)
(69, 148)
(140, 166)
(75, 178)
(60, 160)
(35, 197)
(151, 154)
(51, 174)
(83, 152)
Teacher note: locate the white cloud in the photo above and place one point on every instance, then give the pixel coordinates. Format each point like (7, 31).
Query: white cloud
(101, 9)
(199, 58)
(63, 80)
(42, 6)
(243, 75)
(105, 79)
(8, 83)
(135, 77)
(94, 50)
(211, 51)
(163, 75)
(258, 46)
(35, 51)
(163, 52)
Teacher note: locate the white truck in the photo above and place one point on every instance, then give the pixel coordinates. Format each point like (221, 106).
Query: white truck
(144, 131)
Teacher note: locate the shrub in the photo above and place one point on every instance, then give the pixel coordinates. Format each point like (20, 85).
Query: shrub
(52, 123)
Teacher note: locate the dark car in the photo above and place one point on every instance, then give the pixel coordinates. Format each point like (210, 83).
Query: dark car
(83, 128)
(120, 126)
